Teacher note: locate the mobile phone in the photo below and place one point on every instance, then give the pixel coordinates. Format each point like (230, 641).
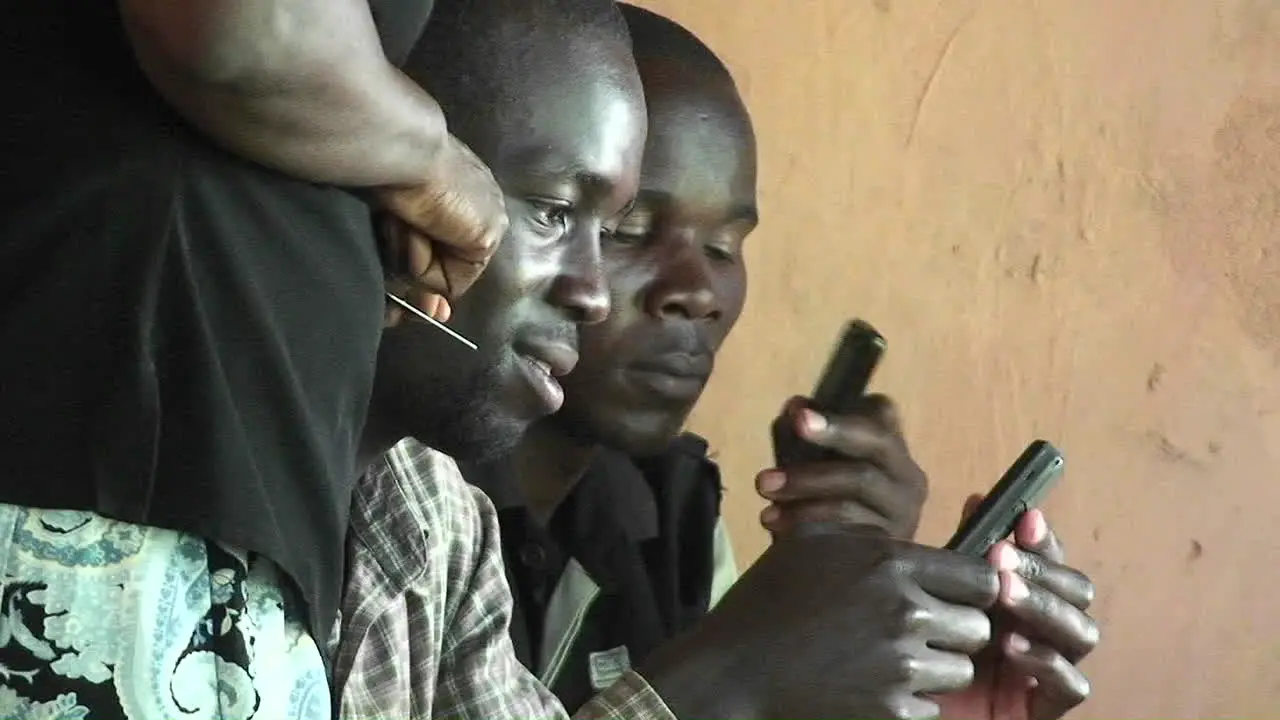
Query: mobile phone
(1023, 486)
(849, 370)
(843, 382)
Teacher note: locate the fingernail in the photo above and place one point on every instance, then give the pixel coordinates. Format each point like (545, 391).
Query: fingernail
(770, 481)
(770, 515)
(1018, 644)
(1015, 589)
(1005, 557)
(813, 422)
(443, 310)
(1039, 527)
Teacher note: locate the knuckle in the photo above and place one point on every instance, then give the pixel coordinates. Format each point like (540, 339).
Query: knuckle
(1030, 565)
(897, 566)
(906, 668)
(852, 515)
(1042, 604)
(905, 706)
(915, 618)
(988, 579)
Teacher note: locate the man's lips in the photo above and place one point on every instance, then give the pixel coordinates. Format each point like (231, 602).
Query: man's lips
(688, 366)
(556, 359)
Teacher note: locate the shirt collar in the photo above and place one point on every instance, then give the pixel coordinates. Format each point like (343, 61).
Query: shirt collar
(612, 491)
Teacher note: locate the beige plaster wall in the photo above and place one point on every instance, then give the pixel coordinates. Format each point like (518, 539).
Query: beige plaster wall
(1065, 216)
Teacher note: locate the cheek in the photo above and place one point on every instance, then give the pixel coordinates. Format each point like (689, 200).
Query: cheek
(597, 350)
(733, 291)
(519, 269)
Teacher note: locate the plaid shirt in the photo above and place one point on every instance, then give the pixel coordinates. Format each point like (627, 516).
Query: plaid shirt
(424, 625)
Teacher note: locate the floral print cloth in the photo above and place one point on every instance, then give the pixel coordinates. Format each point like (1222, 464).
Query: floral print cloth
(104, 620)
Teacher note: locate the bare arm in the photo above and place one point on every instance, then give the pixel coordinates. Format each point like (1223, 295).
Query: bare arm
(301, 86)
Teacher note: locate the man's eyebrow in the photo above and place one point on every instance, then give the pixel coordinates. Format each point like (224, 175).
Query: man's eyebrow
(538, 160)
(748, 213)
(539, 164)
(593, 183)
(742, 212)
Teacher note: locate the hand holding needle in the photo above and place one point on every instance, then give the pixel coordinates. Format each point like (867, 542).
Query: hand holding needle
(439, 325)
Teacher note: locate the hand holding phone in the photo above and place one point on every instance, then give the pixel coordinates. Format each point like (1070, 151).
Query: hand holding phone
(857, 471)
(1023, 486)
(844, 381)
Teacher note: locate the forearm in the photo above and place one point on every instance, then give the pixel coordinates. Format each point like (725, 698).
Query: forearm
(695, 680)
(301, 86)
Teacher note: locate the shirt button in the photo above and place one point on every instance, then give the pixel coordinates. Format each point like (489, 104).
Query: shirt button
(533, 555)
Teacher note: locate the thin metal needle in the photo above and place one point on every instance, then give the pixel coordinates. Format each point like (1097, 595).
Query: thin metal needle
(423, 316)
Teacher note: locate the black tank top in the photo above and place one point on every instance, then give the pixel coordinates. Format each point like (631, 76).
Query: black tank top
(187, 340)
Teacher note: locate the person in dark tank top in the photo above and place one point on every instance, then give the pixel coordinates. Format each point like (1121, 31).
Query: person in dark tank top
(191, 297)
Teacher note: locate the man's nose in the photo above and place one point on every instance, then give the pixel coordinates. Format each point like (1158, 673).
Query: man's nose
(581, 288)
(684, 287)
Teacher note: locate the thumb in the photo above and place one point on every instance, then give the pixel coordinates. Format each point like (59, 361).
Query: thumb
(971, 504)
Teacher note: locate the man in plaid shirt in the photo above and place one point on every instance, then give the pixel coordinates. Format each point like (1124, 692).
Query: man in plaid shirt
(548, 95)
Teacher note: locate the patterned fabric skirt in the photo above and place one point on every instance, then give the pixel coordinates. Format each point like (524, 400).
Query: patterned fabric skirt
(103, 620)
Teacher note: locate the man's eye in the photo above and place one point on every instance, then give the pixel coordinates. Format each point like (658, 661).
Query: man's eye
(718, 252)
(550, 216)
(629, 234)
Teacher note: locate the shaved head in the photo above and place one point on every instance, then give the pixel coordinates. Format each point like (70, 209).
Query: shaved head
(480, 57)
(656, 38)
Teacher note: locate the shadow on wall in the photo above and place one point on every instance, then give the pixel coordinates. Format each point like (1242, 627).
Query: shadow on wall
(1065, 217)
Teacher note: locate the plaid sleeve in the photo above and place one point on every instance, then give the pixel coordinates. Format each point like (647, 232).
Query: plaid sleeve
(630, 698)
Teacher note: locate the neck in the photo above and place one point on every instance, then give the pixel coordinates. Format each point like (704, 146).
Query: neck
(377, 437)
(549, 464)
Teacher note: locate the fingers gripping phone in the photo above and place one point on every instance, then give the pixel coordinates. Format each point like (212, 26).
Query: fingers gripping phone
(844, 381)
(1023, 486)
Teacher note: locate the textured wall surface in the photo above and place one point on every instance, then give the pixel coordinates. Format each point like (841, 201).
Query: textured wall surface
(1065, 216)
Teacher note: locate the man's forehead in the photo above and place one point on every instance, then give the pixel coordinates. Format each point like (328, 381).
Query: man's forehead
(594, 135)
(687, 132)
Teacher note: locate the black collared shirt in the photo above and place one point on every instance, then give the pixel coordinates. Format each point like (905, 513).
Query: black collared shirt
(626, 562)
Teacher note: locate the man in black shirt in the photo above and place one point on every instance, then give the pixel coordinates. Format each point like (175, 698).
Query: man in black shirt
(610, 517)
(191, 297)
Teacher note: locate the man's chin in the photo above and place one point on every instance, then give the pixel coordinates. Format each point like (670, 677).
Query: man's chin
(481, 442)
(636, 434)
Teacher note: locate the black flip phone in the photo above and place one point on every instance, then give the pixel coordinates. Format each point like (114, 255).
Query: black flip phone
(1023, 486)
(843, 382)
